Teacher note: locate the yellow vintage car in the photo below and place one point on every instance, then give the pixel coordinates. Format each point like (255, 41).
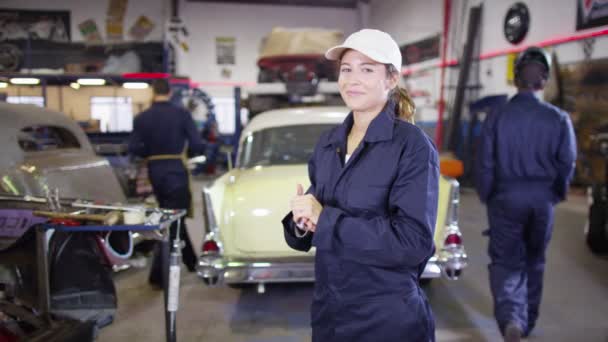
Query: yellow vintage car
(243, 209)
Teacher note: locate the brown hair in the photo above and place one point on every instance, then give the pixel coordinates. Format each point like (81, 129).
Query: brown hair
(405, 108)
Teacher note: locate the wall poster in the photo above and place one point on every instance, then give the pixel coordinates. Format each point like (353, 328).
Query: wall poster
(225, 50)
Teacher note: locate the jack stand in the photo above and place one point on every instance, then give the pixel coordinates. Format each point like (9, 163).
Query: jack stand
(172, 289)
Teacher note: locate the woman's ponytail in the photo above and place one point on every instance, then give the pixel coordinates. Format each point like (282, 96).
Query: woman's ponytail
(405, 108)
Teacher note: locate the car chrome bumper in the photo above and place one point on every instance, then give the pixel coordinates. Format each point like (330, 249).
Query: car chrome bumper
(452, 260)
(432, 269)
(215, 270)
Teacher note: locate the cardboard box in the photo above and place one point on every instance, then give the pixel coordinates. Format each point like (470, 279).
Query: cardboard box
(282, 41)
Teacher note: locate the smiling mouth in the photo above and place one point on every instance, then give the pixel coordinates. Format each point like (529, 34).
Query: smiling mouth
(354, 93)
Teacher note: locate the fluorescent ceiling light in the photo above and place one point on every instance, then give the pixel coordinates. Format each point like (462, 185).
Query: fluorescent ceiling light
(135, 85)
(75, 85)
(91, 81)
(3, 84)
(25, 80)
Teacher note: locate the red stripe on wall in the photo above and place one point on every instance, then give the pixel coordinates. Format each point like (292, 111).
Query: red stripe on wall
(502, 52)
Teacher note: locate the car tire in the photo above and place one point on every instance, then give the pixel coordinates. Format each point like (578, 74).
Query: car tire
(597, 239)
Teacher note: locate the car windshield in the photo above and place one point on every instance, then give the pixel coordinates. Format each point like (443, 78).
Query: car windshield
(285, 145)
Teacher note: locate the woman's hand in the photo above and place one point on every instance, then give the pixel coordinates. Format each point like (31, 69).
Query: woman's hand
(306, 210)
(302, 223)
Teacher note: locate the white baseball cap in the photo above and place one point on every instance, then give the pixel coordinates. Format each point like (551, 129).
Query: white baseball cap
(375, 44)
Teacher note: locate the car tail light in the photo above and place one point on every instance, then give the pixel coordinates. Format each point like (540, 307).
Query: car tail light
(453, 239)
(210, 246)
(65, 222)
(7, 336)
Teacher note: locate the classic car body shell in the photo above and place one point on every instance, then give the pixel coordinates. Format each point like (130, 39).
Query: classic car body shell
(76, 172)
(243, 211)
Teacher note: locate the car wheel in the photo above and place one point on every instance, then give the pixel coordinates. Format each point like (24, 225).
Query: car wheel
(596, 230)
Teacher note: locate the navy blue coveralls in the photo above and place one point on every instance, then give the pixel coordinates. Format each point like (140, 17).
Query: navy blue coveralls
(164, 129)
(375, 233)
(526, 159)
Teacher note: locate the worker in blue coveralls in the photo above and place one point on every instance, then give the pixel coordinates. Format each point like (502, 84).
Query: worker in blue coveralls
(527, 151)
(162, 134)
(371, 208)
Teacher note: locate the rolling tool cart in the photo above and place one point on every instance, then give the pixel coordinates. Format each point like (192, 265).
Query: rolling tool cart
(72, 305)
(156, 220)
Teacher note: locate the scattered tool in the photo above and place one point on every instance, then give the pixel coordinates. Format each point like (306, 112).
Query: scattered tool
(110, 218)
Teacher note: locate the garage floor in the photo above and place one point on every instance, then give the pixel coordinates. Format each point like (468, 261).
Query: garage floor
(575, 306)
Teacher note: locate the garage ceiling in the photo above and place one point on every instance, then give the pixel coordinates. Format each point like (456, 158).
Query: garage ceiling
(309, 3)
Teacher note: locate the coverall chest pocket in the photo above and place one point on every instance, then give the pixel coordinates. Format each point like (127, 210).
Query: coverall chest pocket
(368, 199)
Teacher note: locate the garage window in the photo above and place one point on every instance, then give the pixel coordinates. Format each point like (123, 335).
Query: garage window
(115, 113)
(35, 100)
(224, 113)
(44, 138)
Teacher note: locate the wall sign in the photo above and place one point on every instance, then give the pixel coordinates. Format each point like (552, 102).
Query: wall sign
(517, 23)
(141, 28)
(115, 19)
(421, 50)
(89, 31)
(225, 50)
(591, 13)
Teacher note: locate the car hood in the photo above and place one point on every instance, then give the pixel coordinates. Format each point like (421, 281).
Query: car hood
(260, 200)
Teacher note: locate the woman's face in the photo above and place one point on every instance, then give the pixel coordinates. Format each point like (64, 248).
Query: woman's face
(363, 82)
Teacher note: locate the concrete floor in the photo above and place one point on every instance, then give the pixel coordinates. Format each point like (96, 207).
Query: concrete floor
(575, 305)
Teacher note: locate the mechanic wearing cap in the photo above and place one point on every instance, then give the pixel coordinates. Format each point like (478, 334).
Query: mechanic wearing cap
(161, 134)
(526, 159)
(371, 209)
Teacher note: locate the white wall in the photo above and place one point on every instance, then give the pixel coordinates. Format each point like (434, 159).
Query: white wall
(548, 19)
(81, 10)
(407, 20)
(248, 24)
(561, 23)
(206, 21)
(411, 20)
